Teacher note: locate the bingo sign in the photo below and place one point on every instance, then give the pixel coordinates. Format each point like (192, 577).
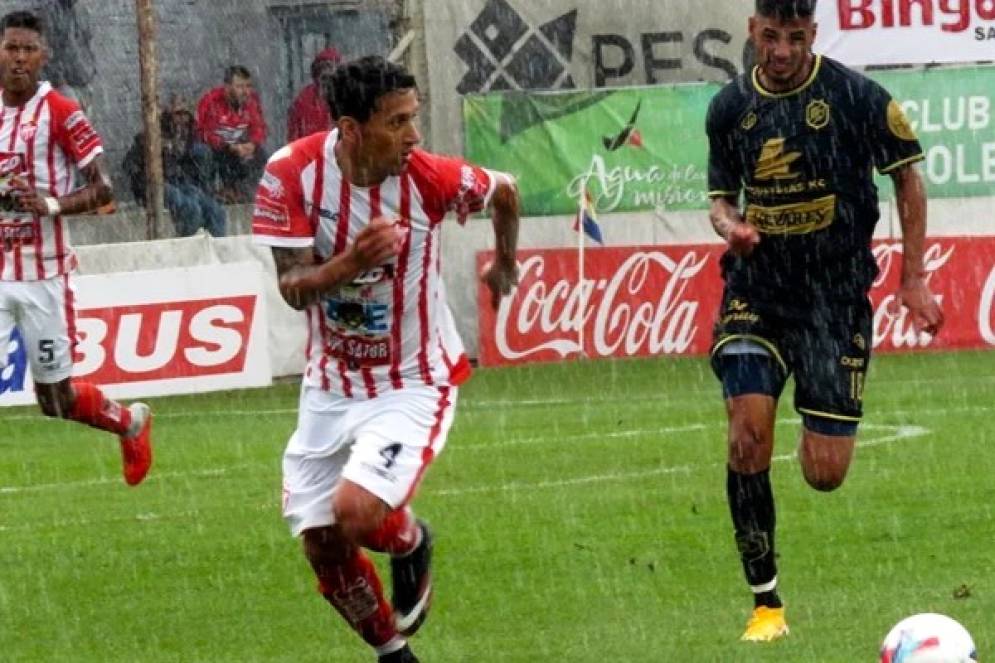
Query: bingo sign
(662, 300)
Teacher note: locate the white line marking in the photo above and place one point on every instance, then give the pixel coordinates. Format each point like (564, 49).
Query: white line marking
(901, 433)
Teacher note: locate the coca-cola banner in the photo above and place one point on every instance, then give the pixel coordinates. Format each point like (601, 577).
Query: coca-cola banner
(662, 300)
(863, 32)
(161, 332)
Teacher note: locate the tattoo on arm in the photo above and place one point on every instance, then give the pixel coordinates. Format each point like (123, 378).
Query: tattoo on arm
(96, 193)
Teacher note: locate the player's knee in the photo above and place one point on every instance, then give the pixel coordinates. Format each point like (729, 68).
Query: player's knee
(358, 514)
(749, 448)
(326, 548)
(53, 403)
(823, 481)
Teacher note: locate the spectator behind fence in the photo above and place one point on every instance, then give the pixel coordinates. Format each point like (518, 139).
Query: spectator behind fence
(185, 170)
(230, 124)
(309, 113)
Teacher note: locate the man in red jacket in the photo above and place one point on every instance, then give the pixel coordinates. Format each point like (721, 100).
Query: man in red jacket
(309, 113)
(230, 123)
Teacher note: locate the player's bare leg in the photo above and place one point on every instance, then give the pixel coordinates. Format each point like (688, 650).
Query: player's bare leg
(371, 523)
(825, 459)
(86, 403)
(751, 503)
(346, 576)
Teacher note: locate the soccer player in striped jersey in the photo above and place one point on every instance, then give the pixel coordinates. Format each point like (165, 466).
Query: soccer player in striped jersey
(354, 217)
(44, 138)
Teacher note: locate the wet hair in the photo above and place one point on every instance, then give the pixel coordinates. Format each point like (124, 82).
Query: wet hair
(786, 10)
(23, 19)
(355, 87)
(236, 70)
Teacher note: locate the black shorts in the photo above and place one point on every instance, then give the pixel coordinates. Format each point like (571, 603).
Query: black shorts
(827, 348)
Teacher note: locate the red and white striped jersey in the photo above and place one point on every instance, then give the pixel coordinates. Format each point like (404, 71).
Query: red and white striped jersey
(43, 141)
(391, 326)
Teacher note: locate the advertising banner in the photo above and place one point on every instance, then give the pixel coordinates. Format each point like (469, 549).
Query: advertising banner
(646, 148)
(479, 46)
(865, 32)
(662, 300)
(162, 332)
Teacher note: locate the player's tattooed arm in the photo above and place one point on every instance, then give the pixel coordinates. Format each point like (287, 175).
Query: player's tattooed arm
(303, 281)
(501, 276)
(94, 194)
(913, 292)
(288, 263)
(729, 225)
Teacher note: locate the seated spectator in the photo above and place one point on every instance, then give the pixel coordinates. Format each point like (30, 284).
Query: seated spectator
(230, 124)
(189, 202)
(310, 113)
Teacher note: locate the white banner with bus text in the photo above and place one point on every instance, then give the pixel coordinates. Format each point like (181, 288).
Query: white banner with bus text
(881, 32)
(162, 332)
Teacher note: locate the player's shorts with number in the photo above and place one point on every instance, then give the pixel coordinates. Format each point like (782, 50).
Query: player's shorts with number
(45, 313)
(384, 445)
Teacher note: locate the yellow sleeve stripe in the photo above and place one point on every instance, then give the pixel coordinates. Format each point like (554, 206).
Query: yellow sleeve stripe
(826, 415)
(722, 194)
(903, 162)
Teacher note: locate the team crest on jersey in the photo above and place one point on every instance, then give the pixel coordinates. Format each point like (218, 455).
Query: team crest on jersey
(817, 114)
(749, 121)
(859, 341)
(898, 123)
(28, 131)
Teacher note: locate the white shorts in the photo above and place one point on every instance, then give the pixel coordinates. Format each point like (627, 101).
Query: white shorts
(384, 445)
(45, 313)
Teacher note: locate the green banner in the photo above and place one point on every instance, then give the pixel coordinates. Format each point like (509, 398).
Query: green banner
(646, 149)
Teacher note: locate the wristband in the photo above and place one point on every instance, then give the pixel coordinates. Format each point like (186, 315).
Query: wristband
(53, 206)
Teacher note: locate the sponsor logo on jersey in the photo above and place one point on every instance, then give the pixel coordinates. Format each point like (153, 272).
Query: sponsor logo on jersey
(774, 163)
(794, 218)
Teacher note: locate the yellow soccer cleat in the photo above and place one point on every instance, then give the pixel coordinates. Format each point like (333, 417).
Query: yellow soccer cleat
(765, 625)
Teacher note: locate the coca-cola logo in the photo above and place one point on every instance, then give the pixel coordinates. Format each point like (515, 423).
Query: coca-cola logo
(891, 322)
(162, 341)
(642, 307)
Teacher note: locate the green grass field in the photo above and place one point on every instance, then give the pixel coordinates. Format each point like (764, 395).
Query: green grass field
(579, 510)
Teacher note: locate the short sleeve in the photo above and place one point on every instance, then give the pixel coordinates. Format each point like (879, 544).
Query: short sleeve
(73, 132)
(278, 217)
(724, 173)
(895, 142)
(449, 184)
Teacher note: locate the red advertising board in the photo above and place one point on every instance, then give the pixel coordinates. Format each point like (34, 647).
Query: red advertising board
(659, 300)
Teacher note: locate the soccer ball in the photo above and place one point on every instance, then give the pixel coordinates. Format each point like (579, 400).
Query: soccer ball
(928, 638)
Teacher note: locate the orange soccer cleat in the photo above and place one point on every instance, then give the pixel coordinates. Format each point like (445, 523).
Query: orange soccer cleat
(765, 624)
(136, 444)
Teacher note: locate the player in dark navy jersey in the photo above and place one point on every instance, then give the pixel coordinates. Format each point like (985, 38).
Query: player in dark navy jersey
(798, 138)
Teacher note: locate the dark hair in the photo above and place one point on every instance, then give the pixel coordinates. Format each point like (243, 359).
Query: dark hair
(356, 86)
(786, 9)
(23, 19)
(236, 70)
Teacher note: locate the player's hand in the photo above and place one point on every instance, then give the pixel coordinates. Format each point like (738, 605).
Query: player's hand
(377, 243)
(28, 199)
(924, 308)
(501, 279)
(742, 237)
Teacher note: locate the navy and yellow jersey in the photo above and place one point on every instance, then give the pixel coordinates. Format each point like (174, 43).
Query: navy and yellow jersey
(804, 160)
